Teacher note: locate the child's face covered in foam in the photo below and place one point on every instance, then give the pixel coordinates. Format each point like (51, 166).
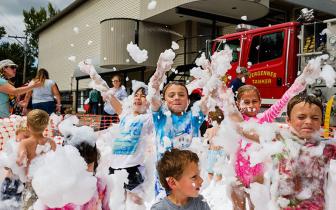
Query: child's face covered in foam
(249, 103)
(176, 98)
(305, 120)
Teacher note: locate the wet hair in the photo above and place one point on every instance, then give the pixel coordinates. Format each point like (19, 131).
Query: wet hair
(303, 97)
(173, 83)
(37, 120)
(142, 89)
(173, 164)
(216, 115)
(41, 75)
(89, 153)
(246, 88)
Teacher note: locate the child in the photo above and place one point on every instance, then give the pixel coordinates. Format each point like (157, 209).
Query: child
(128, 149)
(303, 174)
(91, 156)
(10, 185)
(180, 175)
(175, 127)
(36, 144)
(249, 103)
(214, 152)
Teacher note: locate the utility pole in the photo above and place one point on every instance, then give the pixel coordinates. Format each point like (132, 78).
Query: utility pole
(25, 54)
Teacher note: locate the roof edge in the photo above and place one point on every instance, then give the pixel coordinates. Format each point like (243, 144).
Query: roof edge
(60, 15)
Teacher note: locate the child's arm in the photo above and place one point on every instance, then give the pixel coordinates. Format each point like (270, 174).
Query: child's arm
(22, 154)
(298, 86)
(115, 103)
(163, 65)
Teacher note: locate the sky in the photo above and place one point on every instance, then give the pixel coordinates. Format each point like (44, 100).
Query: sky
(11, 13)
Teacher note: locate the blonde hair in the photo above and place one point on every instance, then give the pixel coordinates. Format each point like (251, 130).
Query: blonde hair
(41, 75)
(37, 120)
(243, 89)
(21, 130)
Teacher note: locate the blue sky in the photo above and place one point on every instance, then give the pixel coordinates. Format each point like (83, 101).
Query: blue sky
(11, 13)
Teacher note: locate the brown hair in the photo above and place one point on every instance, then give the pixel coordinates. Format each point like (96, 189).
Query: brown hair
(89, 153)
(173, 83)
(246, 88)
(216, 115)
(41, 75)
(173, 164)
(303, 97)
(37, 120)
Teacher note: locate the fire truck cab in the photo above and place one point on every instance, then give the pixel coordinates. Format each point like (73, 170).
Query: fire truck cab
(275, 55)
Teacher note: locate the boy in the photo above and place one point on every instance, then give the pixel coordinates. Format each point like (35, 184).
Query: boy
(303, 164)
(36, 144)
(180, 175)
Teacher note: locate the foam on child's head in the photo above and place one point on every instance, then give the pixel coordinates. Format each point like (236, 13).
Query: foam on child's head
(245, 88)
(37, 120)
(173, 163)
(303, 97)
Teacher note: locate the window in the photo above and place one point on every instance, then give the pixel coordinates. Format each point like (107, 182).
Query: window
(233, 44)
(266, 47)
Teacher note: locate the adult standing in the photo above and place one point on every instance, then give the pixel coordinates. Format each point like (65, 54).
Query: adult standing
(236, 83)
(8, 71)
(119, 91)
(94, 97)
(44, 97)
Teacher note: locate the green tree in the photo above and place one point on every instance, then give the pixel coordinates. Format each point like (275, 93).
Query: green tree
(33, 19)
(2, 31)
(15, 52)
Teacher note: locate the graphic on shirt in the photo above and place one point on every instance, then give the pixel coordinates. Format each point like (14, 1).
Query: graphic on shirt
(130, 135)
(182, 137)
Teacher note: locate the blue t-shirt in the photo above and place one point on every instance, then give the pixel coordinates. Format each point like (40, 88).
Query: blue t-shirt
(4, 101)
(173, 131)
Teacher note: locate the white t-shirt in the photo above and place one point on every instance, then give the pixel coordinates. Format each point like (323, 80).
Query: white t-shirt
(129, 149)
(43, 93)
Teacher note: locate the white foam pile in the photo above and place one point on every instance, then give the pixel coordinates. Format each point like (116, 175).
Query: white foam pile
(138, 55)
(60, 178)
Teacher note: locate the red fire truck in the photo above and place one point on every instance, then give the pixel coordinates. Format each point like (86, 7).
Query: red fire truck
(275, 55)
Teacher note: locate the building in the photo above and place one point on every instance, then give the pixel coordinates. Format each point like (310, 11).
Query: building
(101, 29)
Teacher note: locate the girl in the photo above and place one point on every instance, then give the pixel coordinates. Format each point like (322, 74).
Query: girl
(214, 152)
(129, 147)
(43, 97)
(249, 103)
(91, 155)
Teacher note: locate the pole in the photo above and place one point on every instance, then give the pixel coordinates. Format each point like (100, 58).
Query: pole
(25, 47)
(24, 62)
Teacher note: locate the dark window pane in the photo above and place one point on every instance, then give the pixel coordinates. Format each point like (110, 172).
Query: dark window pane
(271, 46)
(233, 44)
(254, 50)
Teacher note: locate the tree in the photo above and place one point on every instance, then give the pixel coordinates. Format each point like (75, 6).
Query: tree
(15, 52)
(2, 32)
(33, 20)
